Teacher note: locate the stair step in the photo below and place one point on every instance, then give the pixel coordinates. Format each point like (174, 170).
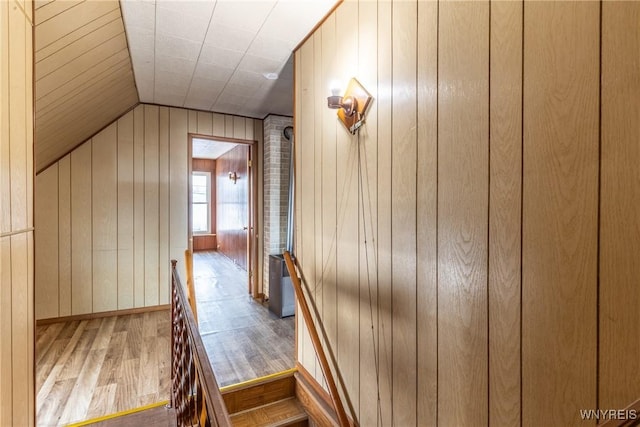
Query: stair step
(285, 412)
(259, 392)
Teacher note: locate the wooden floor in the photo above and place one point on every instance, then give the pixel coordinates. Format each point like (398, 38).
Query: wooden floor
(160, 416)
(91, 368)
(243, 339)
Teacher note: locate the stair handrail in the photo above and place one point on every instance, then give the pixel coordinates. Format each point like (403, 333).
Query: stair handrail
(195, 394)
(634, 420)
(343, 420)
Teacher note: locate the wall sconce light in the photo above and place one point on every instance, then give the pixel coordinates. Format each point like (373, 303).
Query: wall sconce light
(233, 177)
(348, 104)
(351, 107)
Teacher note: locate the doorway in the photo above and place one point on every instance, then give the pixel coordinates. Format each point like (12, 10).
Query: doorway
(243, 339)
(223, 202)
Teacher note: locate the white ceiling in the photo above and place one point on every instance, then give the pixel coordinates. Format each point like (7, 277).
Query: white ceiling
(209, 149)
(213, 55)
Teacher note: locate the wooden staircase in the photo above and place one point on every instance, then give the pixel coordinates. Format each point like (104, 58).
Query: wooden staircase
(269, 401)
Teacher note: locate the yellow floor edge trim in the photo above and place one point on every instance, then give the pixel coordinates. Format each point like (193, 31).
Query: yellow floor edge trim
(118, 414)
(248, 383)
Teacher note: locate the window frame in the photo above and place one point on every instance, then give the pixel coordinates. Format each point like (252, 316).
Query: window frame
(208, 202)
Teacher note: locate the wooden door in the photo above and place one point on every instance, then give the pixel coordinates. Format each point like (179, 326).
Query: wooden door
(233, 192)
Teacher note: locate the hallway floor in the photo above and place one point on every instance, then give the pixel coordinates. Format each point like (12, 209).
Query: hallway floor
(91, 368)
(243, 338)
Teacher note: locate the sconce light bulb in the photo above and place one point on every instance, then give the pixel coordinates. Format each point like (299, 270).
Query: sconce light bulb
(335, 91)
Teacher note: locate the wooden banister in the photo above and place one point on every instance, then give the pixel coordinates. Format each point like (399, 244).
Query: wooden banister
(632, 411)
(317, 345)
(191, 290)
(195, 394)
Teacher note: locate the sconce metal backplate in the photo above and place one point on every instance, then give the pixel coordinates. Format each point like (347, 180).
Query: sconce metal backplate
(355, 89)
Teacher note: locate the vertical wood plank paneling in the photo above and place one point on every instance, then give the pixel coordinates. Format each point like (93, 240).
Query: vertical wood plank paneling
(16, 187)
(5, 320)
(81, 239)
(5, 107)
(239, 127)
(218, 124)
(403, 212)
(105, 219)
(505, 214)
(192, 124)
(384, 194)
(318, 107)
(164, 269)
(138, 207)
(139, 194)
(21, 334)
(178, 187)
(367, 219)
(205, 123)
(64, 236)
(328, 206)
(228, 126)
(6, 408)
(29, 117)
(426, 211)
(479, 226)
(619, 380)
(347, 239)
(463, 129)
(46, 224)
(192, 128)
(306, 249)
(248, 131)
(30, 339)
(296, 224)
(125, 212)
(151, 205)
(560, 196)
(27, 312)
(17, 90)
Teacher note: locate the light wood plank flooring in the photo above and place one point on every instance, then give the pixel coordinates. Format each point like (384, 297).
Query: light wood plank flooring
(160, 416)
(244, 340)
(91, 368)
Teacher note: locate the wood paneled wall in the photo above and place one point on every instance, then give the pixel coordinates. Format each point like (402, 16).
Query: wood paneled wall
(112, 213)
(473, 250)
(232, 204)
(84, 78)
(207, 242)
(17, 406)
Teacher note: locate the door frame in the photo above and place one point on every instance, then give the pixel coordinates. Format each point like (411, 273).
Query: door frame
(252, 232)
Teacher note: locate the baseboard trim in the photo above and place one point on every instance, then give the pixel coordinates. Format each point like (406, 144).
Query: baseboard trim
(316, 400)
(89, 316)
(119, 414)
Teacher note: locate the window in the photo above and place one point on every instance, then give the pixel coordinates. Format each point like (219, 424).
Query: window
(201, 199)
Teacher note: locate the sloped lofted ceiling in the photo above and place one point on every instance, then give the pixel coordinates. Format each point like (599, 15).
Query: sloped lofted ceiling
(219, 55)
(83, 74)
(96, 59)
